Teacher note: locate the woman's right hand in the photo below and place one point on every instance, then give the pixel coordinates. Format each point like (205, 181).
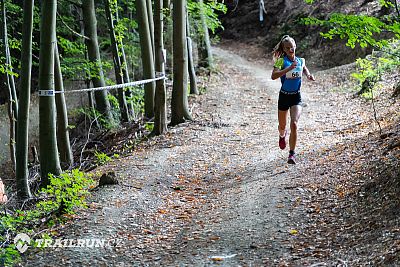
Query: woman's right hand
(293, 66)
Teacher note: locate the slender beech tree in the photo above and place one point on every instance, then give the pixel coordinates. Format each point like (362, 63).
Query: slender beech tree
(126, 77)
(205, 55)
(179, 101)
(64, 145)
(49, 158)
(160, 112)
(147, 57)
(150, 18)
(117, 63)
(92, 44)
(22, 173)
(13, 101)
(87, 72)
(192, 72)
(124, 67)
(168, 32)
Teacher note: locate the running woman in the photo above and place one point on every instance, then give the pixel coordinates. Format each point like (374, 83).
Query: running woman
(289, 68)
(3, 196)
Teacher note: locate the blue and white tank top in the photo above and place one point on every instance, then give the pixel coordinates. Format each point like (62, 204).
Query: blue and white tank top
(291, 81)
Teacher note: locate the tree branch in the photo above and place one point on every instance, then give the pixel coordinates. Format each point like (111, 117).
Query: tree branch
(69, 28)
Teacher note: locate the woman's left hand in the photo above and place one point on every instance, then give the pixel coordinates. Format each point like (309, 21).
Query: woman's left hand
(311, 77)
(3, 196)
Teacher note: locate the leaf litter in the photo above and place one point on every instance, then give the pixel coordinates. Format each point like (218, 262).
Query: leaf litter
(217, 190)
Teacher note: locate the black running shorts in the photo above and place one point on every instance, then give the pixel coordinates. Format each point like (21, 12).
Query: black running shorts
(286, 100)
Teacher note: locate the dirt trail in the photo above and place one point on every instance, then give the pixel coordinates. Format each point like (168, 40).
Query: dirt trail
(212, 191)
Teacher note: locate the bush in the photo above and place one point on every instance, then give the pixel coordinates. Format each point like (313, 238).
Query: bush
(63, 196)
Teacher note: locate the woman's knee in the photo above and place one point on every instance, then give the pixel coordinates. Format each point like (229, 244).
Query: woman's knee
(281, 126)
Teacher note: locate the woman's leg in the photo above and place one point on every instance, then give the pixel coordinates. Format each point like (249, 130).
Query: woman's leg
(282, 120)
(295, 112)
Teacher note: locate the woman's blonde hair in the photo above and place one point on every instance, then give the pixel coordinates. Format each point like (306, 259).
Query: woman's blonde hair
(277, 52)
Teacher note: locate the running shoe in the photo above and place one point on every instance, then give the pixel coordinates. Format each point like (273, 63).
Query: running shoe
(282, 142)
(291, 159)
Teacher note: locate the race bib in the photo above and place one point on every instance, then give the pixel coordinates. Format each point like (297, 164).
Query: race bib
(294, 73)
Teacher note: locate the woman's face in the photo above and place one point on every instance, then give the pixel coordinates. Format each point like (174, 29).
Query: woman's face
(289, 47)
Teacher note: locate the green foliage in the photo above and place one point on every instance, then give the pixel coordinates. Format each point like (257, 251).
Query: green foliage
(126, 31)
(113, 6)
(366, 31)
(101, 158)
(9, 255)
(14, 27)
(129, 5)
(64, 195)
(366, 70)
(360, 29)
(113, 100)
(67, 191)
(71, 48)
(211, 9)
(5, 68)
(14, 43)
(386, 3)
(149, 126)
(136, 98)
(371, 68)
(73, 64)
(92, 69)
(120, 29)
(14, 19)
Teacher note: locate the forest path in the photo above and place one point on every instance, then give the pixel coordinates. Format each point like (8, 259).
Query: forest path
(216, 190)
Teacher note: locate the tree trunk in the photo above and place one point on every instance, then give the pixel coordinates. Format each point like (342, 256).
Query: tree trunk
(166, 3)
(192, 72)
(49, 160)
(179, 101)
(149, 7)
(160, 112)
(10, 77)
(205, 55)
(87, 74)
(90, 25)
(168, 32)
(22, 173)
(13, 101)
(125, 72)
(147, 57)
(90, 97)
(64, 145)
(117, 64)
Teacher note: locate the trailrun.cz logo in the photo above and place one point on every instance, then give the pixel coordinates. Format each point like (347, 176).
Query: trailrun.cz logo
(22, 241)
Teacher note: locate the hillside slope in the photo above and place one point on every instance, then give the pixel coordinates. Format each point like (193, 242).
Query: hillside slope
(242, 24)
